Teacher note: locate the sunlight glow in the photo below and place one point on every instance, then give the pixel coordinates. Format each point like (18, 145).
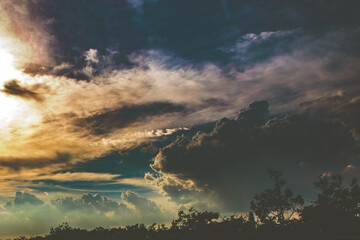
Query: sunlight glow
(7, 69)
(12, 109)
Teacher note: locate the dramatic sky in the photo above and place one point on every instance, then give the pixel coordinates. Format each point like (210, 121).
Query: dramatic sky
(115, 112)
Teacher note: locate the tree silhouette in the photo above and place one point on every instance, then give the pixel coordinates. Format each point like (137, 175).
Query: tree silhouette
(336, 209)
(194, 219)
(334, 214)
(276, 205)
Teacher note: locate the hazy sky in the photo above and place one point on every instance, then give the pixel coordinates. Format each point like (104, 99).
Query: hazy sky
(115, 112)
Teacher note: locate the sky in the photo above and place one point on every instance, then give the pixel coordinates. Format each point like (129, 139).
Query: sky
(116, 112)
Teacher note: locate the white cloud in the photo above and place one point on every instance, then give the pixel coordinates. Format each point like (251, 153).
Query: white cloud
(91, 56)
(249, 39)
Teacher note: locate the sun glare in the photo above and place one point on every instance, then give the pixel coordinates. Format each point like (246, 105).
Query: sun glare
(8, 71)
(11, 108)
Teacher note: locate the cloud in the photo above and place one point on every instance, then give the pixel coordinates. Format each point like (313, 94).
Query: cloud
(125, 73)
(90, 202)
(108, 121)
(150, 149)
(28, 215)
(135, 3)
(57, 29)
(140, 182)
(341, 106)
(117, 110)
(78, 176)
(91, 56)
(26, 198)
(17, 164)
(121, 109)
(13, 88)
(72, 182)
(144, 206)
(25, 35)
(120, 79)
(245, 41)
(238, 152)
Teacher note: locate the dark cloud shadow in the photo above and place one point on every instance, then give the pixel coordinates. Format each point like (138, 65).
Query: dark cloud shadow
(13, 88)
(17, 164)
(126, 115)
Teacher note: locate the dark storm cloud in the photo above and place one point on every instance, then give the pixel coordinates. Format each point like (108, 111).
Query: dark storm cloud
(13, 88)
(81, 25)
(124, 116)
(238, 152)
(196, 31)
(150, 149)
(281, 94)
(17, 164)
(342, 106)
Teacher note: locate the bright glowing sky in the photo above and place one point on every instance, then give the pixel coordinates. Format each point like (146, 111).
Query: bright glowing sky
(108, 108)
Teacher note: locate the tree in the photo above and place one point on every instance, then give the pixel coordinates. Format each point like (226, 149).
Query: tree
(194, 219)
(336, 208)
(276, 205)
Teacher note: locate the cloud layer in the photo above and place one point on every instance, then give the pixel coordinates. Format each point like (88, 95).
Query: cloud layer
(27, 214)
(87, 85)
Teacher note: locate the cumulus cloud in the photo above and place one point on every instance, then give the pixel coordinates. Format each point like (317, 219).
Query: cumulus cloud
(26, 198)
(238, 152)
(90, 202)
(27, 214)
(145, 207)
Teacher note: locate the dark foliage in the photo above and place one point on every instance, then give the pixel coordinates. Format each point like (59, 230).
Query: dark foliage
(277, 214)
(336, 209)
(276, 205)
